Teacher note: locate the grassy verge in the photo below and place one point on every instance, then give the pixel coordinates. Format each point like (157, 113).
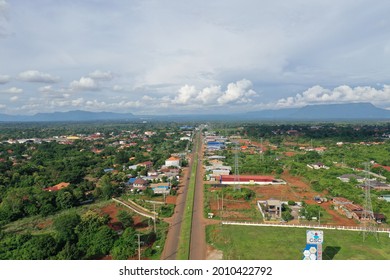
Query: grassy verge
(263, 243)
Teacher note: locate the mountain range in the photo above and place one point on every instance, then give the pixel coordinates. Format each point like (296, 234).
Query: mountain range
(350, 111)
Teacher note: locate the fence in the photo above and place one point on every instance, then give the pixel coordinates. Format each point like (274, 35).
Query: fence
(386, 230)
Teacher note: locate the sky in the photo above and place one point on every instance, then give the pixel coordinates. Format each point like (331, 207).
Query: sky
(179, 56)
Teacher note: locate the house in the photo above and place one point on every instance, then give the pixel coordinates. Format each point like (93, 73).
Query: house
(173, 161)
(140, 184)
(317, 165)
(347, 177)
(146, 164)
(131, 181)
(160, 188)
(376, 185)
(57, 187)
(274, 208)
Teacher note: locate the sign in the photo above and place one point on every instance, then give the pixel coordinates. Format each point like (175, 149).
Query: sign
(310, 253)
(314, 237)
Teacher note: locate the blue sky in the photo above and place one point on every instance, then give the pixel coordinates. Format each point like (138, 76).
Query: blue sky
(179, 56)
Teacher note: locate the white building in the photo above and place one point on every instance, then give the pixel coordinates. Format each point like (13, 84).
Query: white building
(173, 161)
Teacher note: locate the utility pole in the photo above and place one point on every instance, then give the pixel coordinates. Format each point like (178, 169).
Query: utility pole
(139, 246)
(319, 217)
(154, 220)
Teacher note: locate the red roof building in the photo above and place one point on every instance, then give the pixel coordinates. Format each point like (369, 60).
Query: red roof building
(57, 187)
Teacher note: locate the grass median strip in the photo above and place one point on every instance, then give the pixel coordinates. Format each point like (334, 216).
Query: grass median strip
(185, 233)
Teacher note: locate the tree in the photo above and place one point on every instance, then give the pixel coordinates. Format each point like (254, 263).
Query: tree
(125, 218)
(69, 252)
(65, 226)
(126, 246)
(102, 242)
(107, 187)
(65, 200)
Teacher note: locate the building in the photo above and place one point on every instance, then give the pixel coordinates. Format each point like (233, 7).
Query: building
(140, 184)
(249, 180)
(57, 187)
(376, 185)
(274, 208)
(161, 188)
(173, 161)
(317, 165)
(347, 177)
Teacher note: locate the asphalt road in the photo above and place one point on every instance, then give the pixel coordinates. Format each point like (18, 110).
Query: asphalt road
(173, 236)
(198, 235)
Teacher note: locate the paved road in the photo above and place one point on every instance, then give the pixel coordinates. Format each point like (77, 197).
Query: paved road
(198, 235)
(172, 241)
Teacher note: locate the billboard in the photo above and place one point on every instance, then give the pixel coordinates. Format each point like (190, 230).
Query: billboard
(314, 237)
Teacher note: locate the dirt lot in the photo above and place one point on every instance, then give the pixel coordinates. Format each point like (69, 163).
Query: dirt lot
(112, 210)
(295, 189)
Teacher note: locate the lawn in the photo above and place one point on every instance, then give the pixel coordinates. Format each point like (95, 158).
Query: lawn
(271, 243)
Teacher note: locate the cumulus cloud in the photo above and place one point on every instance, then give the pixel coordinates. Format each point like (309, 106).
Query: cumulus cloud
(100, 75)
(4, 79)
(12, 90)
(209, 94)
(35, 76)
(85, 83)
(341, 94)
(240, 91)
(186, 94)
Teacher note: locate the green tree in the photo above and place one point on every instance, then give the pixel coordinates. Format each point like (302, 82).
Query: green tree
(126, 246)
(125, 218)
(65, 226)
(65, 200)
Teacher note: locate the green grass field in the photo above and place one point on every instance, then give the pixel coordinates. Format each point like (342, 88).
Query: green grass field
(276, 243)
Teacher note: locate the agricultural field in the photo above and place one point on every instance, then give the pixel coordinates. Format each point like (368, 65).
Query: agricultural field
(265, 243)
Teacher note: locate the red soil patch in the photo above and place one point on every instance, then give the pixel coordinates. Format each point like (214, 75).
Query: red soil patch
(290, 154)
(111, 210)
(45, 224)
(171, 199)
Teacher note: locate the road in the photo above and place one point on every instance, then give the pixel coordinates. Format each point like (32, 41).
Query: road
(198, 233)
(172, 241)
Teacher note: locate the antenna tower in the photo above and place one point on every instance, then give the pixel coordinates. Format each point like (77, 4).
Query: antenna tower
(368, 218)
(236, 172)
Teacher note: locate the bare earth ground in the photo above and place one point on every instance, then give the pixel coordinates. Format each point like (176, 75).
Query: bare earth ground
(295, 189)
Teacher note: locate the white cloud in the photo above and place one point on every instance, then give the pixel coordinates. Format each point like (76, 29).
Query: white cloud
(45, 89)
(4, 79)
(2, 106)
(12, 90)
(186, 94)
(341, 94)
(100, 75)
(14, 98)
(35, 76)
(85, 83)
(118, 88)
(240, 92)
(209, 94)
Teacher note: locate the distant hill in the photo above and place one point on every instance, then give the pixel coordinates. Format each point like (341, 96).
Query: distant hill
(71, 116)
(350, 111)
